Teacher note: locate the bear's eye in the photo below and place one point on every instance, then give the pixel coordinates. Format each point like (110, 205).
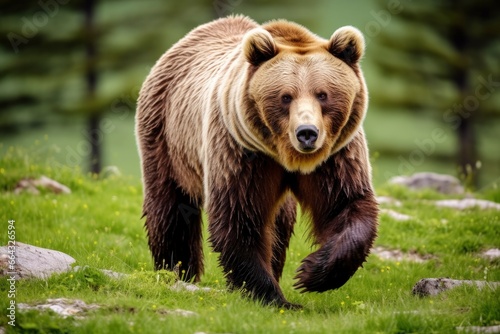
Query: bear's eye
(286, 98)
(322, 96)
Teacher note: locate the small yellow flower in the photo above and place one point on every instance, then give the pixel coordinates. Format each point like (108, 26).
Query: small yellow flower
(282, 311)
(342, 303)
(85, 206)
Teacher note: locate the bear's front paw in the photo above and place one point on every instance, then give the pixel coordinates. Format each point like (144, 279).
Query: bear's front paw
(281, 303)
(324, 270)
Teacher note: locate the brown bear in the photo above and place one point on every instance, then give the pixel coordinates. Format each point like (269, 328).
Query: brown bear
(245, 121)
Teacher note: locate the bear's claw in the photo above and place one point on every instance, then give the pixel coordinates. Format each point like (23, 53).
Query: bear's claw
(292, 306)
(321, 271)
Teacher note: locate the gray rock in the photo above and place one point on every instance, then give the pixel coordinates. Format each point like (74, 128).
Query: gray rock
(110, 171)
(445, 184)
(479, 329)
(107, 272)
(62, 306)
(395, 215)
(181, 312)
(434, 286)
(492, 254)
(32, 186)
(467, 203)
(30, 261)
(386, 200)
(113, 274)
(184, 286)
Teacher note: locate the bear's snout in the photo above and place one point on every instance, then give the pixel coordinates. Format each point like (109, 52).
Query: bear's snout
(307, 136)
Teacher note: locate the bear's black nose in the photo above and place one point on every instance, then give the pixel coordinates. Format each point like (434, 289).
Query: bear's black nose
(307, 135)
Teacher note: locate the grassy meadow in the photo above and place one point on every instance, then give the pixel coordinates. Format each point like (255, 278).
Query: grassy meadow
(99, 225)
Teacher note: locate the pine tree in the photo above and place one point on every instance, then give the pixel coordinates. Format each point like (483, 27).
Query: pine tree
(83, 58)
(443, 56)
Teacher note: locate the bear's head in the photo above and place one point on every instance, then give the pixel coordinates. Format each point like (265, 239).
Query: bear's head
(306, 96)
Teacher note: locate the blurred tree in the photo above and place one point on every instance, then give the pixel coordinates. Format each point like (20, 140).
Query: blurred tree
(91, 78)
(31, 32)
(83, 59)
(442, 56)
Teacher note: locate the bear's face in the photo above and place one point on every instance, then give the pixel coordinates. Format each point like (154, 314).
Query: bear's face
(306, 92)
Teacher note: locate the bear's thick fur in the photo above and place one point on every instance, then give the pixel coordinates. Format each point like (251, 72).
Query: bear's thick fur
(246, 120)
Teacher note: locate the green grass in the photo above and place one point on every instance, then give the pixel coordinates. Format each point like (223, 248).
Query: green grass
(99, 225)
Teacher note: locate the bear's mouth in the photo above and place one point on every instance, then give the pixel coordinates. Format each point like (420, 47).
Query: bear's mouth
(304, 148)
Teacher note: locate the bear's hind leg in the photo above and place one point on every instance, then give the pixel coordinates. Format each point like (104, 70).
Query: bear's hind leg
(175, 233)
(173, 221)
(283, 230)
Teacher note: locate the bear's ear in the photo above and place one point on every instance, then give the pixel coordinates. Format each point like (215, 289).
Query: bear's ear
(259, 46)
(347, 43)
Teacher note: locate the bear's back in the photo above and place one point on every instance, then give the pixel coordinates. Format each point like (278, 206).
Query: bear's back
(180, 86)
(224, 29)
(213, 40)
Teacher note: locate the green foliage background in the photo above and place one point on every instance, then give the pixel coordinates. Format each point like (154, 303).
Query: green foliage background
(43, 88)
